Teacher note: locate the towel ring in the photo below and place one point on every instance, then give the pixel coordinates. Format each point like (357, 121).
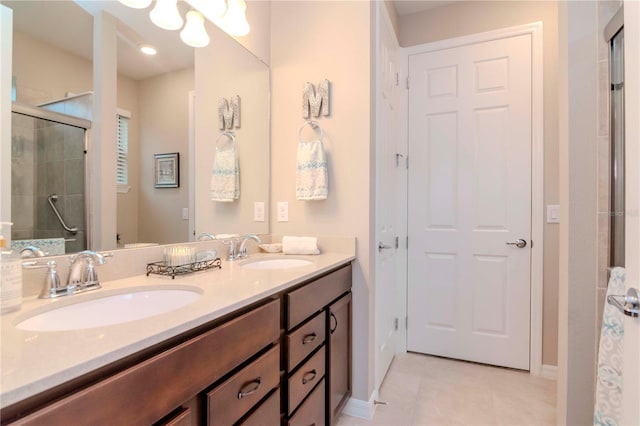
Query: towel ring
(230, 135)
(313, 124)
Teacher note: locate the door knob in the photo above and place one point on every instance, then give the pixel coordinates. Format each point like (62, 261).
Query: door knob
(383, 246)
(520, 243)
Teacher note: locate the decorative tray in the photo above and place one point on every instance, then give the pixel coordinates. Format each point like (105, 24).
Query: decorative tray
(161, 268)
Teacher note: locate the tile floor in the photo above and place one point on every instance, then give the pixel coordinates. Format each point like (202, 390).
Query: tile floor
(427, 390)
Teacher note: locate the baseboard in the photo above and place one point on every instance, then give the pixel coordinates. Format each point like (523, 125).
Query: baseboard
(549, 372)
(361, 409)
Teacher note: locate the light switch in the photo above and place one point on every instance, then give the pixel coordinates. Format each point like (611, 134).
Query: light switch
(185, 213)
(258, 211)
(553, 213)
(283, 211)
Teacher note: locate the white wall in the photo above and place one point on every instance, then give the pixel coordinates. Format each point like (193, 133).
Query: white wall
(470, 17)
(311, 41)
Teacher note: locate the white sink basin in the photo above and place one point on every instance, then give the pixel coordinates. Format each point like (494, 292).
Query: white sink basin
(275, 264)
(134, 304)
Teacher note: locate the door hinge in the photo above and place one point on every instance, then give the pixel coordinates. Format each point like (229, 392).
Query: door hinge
(407, 83)
(406, 323)
(406, 162)
(397, 79)
(407, 240)
(397, 242)
(395, 324)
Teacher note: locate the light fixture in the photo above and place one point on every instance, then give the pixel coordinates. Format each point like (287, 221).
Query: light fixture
(213, 10)
(194, 33)
(165, 15)
(235, 21)
(136, 4)
(148, 50)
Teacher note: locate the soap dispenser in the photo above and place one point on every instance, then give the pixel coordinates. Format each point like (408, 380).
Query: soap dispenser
(10, 275)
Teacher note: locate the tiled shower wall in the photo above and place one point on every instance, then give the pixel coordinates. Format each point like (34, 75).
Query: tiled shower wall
(606, 10)
(47, 158)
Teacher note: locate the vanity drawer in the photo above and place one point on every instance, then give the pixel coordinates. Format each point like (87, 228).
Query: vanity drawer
(184, 417)
(172, 377)
(307, 300)
(312, 412)
(305, 340)
(231, 400)
(305, 379)
(268, 414)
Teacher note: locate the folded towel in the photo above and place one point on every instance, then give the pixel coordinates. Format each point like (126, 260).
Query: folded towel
(300, 245)
(225, 176)
(311, 177)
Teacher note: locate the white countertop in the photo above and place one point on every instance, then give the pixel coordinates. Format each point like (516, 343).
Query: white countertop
(33, 362)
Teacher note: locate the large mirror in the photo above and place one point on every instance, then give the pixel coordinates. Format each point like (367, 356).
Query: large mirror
(167, 104)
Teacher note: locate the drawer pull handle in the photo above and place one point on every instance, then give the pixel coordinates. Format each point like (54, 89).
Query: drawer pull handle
(333, 317)
(309, 377)
(251, 390)
(309, 338)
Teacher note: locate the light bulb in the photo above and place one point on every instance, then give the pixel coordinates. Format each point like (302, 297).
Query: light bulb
(194, 33)
(136, 4)
(165, 15)
(148, 50)
(235, 21)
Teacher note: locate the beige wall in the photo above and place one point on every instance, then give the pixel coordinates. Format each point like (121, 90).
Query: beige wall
(164, 128)
(240, 73)
(127, 203)
(578, 150)
(470, 17)
(45, 73)
(310, 41)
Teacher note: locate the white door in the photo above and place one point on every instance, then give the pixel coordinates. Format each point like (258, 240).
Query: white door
(390, 181)
(631, 378)
(470, 202)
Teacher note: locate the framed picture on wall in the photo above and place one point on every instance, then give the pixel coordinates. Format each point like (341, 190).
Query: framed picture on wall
(166, 170)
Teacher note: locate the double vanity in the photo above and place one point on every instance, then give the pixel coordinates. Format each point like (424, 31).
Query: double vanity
(262, 341)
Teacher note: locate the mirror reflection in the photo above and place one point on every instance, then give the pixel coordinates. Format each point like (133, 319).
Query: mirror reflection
(167, 103)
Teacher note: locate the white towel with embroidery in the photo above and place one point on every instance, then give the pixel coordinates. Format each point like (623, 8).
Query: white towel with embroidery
(311, 177)
(300, 245)
(225, 176)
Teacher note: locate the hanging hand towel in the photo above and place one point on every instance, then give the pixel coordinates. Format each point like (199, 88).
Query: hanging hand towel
(300, 245)
(311, 177)
(225, 176)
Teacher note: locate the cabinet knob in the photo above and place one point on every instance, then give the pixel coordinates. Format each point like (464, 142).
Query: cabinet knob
(309, 376)
(252, 386)
(333, 318)
(309, 338)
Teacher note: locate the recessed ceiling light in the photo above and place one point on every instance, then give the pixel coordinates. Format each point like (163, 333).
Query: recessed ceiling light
(148, 50)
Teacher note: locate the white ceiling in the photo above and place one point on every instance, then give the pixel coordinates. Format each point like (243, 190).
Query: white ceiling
(407, 7)
(68, 25)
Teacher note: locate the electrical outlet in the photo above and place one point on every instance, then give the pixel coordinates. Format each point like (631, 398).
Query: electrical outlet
(283, 211)
(258, 211)
(185, 213)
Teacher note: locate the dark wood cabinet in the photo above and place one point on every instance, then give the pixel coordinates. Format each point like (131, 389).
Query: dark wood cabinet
(318, 341)
(339, 360)
(242, 369)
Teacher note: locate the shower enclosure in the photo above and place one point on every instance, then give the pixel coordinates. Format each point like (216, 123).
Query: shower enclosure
(48, 178)
(617, 204)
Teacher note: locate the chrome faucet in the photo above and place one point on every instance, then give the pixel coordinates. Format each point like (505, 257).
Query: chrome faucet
(31, 251)
(239, 251)
(205, 236)
(82, 271)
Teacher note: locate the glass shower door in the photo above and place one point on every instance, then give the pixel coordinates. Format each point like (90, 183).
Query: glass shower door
(48, 184)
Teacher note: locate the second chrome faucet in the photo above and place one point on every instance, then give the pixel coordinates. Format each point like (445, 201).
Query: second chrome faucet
(238, 247)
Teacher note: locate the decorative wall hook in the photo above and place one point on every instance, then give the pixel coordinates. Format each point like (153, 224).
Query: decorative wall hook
(315, 101)
(229, 113)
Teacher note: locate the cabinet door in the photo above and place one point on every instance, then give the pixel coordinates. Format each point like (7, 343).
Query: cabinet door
(339, 386)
